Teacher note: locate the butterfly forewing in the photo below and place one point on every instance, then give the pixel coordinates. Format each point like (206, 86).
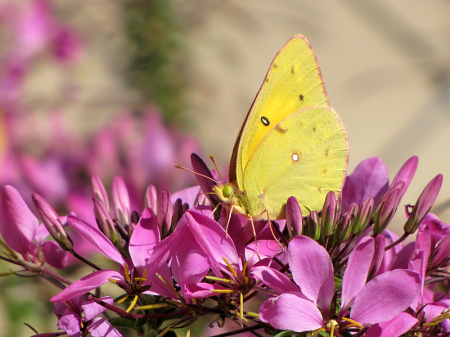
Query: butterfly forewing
(293, 82)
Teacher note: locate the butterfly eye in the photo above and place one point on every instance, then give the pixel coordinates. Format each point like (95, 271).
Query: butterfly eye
(227, 191)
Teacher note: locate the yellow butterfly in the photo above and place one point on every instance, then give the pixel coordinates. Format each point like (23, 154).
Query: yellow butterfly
(290, 144)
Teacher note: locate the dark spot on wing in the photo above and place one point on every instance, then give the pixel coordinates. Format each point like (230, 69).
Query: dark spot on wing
(266, 80)
(275, 66)
(314, 128)
(265, 121)
(301, 97)
(292, 70)
(327, 151)
(280, 129)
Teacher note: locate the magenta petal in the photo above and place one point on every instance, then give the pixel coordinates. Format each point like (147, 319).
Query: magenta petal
(144, 238)
(70, 322)
(369, 179)
(385, 296)
(100, 327)
(97, 238)
(290, 312)
(355, 275)
(202, 290)
(312, 270)
(275, 280)
(18, 225)
(92, 309)
(188, 195)
(213, 240)
(54, 255)
(86, 284)
(393, 328)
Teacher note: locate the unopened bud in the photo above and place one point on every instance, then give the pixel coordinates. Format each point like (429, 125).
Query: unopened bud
(405, 174)
(344, 228)
(312, 226)
(121, 201)
(177, 213)
(387, 211)
(52, 222)
(423, 204)
(329, 214)
(151, 198)
(199, 166)
(294, 219)
(104, 220)
(165, 212)
(363, 216)
(98, 191)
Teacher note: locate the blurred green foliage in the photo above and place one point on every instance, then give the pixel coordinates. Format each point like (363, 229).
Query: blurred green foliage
(154, 36)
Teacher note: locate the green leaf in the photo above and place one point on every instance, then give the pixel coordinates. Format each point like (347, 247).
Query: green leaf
(121, 322)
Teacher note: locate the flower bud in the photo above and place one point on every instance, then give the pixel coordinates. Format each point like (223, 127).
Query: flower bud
(151, 198)
(406, 173)
(423, 204)
(294, 219)
(104, 220)
(387, 210)
(52, 222)
(165, 212)
(98, 191)
(199, 166)
(121, 201)
(312, 226)
(363, 216)
(177, 213)
(344, 229)
(329, 214)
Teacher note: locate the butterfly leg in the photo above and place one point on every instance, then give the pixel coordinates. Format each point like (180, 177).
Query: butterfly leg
(271, 229)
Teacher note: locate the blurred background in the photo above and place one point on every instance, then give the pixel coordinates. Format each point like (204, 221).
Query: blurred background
(132, 87)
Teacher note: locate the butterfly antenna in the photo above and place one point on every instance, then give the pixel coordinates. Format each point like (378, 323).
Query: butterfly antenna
(199, 174)
(214, 161)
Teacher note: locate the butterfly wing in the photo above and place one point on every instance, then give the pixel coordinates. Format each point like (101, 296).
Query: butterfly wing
(305, 155)
(293, 82)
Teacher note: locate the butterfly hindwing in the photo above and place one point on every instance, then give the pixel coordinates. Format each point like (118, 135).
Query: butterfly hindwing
(305, 156)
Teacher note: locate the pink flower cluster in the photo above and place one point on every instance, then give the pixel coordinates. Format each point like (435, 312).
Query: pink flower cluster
(334, 272)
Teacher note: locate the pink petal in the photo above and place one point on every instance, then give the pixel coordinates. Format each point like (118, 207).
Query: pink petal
(54, 255)
(392, 328)
(290, 312)
(70, 322)
(92, 309)
(144, 238)
(86, 284)
(202, 290)
(190, 264)
(369, 179)
(385, 296)
(275, 280)
(100, 327)
(18, 225)
(97, 238)
(188, 195)
(357, 270)
(213, 240)
(312, 270)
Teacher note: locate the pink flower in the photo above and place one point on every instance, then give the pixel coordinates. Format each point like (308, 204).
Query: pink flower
(305, 309)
